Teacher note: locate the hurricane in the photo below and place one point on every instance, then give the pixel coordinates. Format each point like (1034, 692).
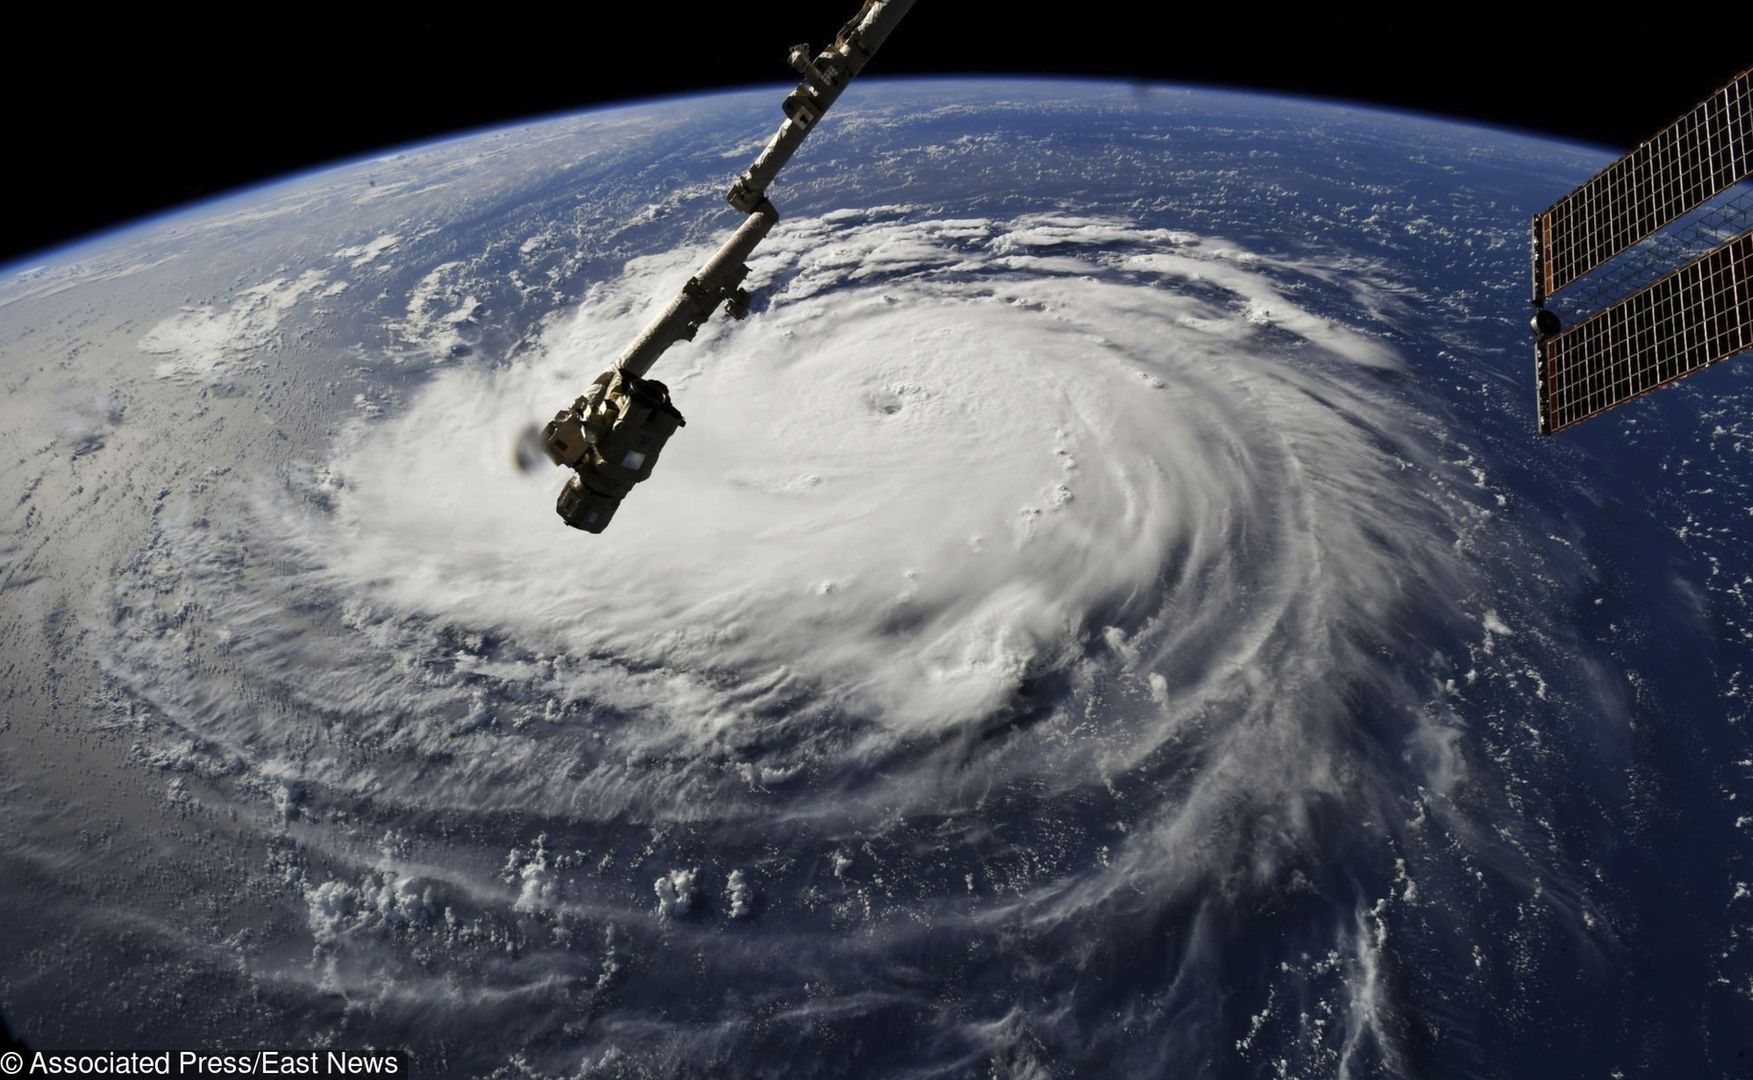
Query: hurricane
(1100, 524)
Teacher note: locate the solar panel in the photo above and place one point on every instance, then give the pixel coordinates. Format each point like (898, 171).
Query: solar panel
(1694, 317)
(1633, 246)
(1677, 170)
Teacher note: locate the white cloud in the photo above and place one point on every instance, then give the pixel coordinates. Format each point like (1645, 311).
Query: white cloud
(362, 254)
(739, 895)
(205, 342)
(974, 463)
(676, 892)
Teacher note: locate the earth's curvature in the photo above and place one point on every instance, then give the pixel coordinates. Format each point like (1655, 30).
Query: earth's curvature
(1108, 614)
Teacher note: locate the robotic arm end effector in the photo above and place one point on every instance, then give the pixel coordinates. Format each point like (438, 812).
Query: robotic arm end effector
(611, 438)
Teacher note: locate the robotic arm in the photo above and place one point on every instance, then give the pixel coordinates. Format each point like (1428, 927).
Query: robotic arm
(610, 437)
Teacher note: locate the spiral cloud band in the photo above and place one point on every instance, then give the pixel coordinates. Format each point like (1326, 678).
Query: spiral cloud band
(1104, 525)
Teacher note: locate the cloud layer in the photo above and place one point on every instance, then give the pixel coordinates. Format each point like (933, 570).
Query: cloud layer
(948, 457)
(1045, 576)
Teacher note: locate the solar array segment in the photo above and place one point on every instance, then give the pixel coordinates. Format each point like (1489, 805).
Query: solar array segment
(1696, 316)
(1699, 155)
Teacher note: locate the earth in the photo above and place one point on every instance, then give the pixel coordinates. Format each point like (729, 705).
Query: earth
(1109, 613)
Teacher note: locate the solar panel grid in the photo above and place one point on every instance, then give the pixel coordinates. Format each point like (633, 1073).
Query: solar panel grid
(1692, 318)
(1727, 214)
(1702, 153)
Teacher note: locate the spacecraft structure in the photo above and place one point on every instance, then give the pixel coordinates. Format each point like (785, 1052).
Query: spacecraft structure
(1644, 274)
(612, 434)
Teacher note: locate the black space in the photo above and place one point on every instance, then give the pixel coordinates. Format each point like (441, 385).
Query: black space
(126, 113)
